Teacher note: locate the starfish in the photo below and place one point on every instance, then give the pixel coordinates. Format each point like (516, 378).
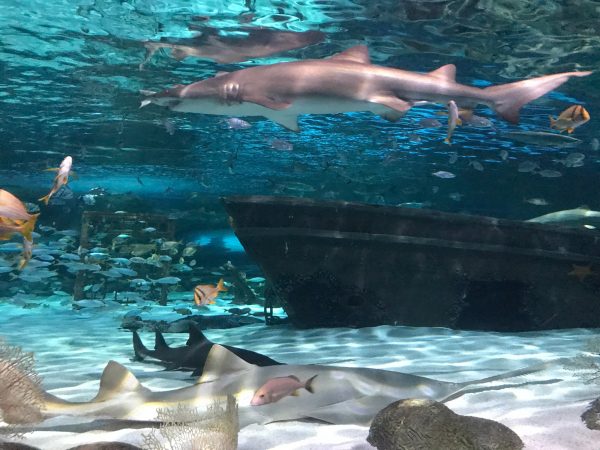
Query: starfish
(581, 272)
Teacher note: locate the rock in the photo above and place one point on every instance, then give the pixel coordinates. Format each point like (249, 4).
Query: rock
(591, 416)
(422, 424)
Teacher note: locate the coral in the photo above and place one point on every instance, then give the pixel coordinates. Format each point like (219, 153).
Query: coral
(185, 428)
(586, 365)
(21, 397)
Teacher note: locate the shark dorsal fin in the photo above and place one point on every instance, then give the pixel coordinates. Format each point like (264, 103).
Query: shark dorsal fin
(447, 72)
(358, 53)
(221, 361)
(159, 341)
(196, 335)
(116, 379)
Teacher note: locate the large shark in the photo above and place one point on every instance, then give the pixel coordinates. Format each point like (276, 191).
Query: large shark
(194, 353)
(255, 43)
(342, 395)
(345, 82)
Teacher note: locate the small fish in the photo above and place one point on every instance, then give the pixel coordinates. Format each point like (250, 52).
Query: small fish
(547, 173)
(443, 174)
(571, 118)
(453, 120)
(61, 179)
(235, 123)
(572, 160)
(205, 294)
(167, 280)
(279, 387)
(503, 155)
(476, 121)
(595, 144)
(543, 138)
(528, 166)
(476, 165)
(429, 123)
(453, 158)
(537, 201)
(14, 218)
(282, 145)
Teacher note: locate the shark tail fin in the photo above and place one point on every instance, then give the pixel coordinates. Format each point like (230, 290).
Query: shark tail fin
(115, 380)
(508, 99)
(139, 348)
(196, 336)
(159, 342)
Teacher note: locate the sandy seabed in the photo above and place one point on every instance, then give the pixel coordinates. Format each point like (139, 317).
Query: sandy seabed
(72, 347)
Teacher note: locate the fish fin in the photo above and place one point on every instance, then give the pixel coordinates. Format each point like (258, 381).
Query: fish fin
(465, 114)
(392, 116)
(267, 102)
(145, 102)
(221, 73)
(447, 72)
(116, 379)
(159, 341)
(73, 175)
(392, 102)
(27, 227)
(139, 349)
(221, 361)
(295, 393)
(448, 141)
(508, 99)
(570, 130)
(220, 286)
(358, 53)
(459, 121)
(552, 121)
(147, 93)
(196, 336)
(286, 121)
(51, 169)
(308, 385)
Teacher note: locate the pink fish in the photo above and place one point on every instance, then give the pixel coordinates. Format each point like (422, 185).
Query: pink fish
(277, 388)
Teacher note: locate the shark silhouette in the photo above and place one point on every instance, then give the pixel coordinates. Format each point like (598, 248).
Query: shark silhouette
(345, 82)
(194, 353)
(342, 395)
(257, 43)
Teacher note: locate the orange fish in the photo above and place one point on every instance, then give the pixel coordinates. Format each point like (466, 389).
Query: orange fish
(205, 294)
(14, 217)
(61, 179)
(570, 118)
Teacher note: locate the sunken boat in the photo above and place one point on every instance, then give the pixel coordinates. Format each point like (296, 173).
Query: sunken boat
(337, 263)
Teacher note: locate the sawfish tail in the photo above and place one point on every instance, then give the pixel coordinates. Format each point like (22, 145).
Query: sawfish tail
(508, 99)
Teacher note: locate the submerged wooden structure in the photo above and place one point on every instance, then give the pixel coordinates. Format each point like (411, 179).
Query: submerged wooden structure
(335, 263)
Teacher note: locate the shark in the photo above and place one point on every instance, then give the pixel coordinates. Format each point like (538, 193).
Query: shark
(194, 353)
(345, 82)
(341, 395)
(576, 217)
(254, 43)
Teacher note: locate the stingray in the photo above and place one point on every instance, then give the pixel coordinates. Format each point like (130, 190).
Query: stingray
(342, 395)
(194, 353)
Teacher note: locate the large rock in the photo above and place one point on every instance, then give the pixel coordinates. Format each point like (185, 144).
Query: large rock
(591, 416)
(420, 424)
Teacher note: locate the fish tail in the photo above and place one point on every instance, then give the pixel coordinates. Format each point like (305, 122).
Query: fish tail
(220, 286)
(27, 227)
(308, 384)
(552, 121)
(508, 99)
(45, 199)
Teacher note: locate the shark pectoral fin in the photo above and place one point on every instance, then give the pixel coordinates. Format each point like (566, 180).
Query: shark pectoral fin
(447, 72)
(398, 106)
(221, 361)
(116, 379)
(285, 120)
(267, 102)
(358, 53)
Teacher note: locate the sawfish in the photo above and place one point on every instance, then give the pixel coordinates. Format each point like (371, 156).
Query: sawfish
(342, 395)
(194, 353)
(346, 82)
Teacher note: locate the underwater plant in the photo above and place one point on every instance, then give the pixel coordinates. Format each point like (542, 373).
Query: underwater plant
(185, 428)
(21, 397)
(587, 365)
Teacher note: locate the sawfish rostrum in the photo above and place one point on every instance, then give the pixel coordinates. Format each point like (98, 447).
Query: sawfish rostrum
(346, 82)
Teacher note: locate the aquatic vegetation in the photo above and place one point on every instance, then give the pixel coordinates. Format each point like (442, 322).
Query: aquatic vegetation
(21, 398)
(187, 428)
